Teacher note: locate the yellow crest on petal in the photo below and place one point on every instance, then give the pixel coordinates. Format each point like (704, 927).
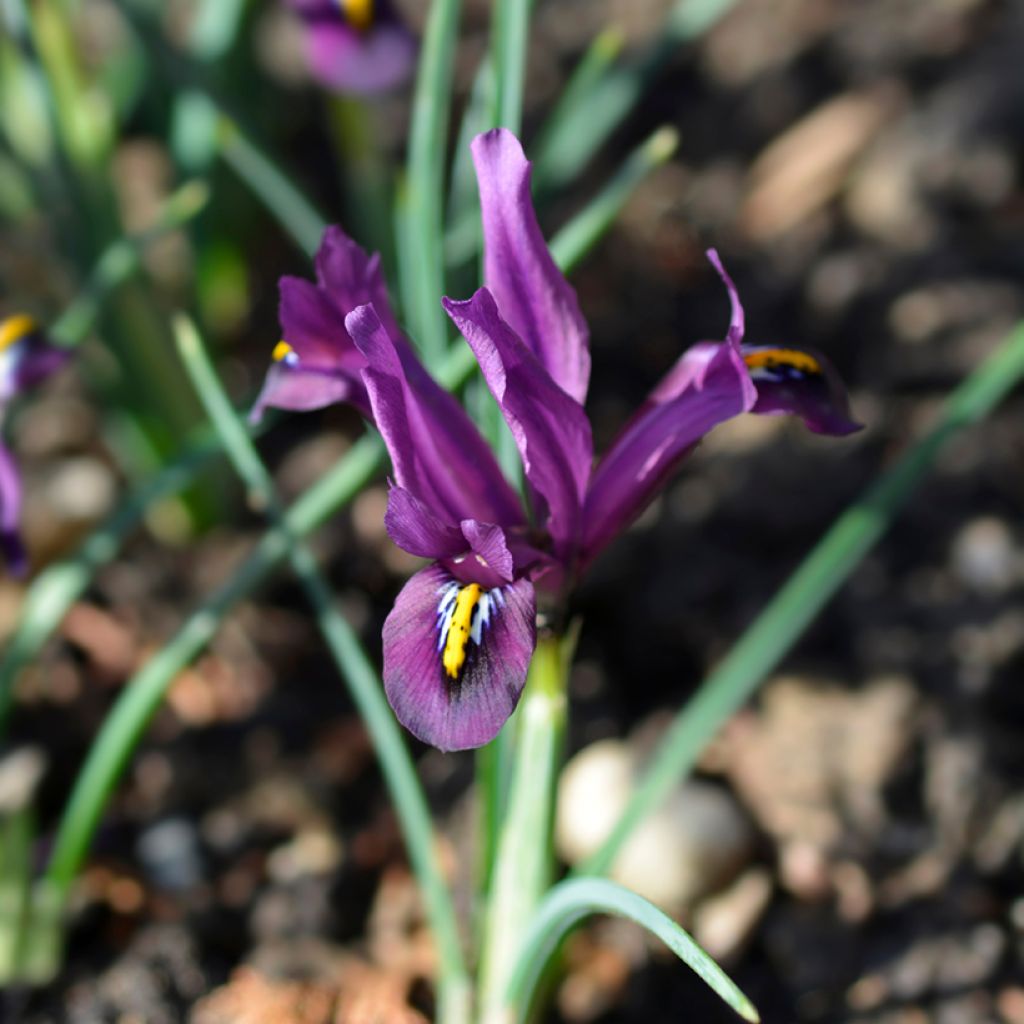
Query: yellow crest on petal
(782, 358)
(281, 351)
(15, 329)
(454, 656)
(358, 12)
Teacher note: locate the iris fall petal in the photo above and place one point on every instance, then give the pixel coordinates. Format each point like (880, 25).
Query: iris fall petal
(436, 622)
(803, 383)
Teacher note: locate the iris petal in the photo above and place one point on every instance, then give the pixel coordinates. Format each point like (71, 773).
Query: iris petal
(532, 293)
(26, 356)
(801, 382)
(11, 545)
(437, 452)
(356, 59)
(550, 427)
(454, 669)
(298, 389)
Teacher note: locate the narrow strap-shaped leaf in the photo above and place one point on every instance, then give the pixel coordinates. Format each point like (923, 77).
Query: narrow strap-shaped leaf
(583, 232)
(570, 902)
(357, 671)
(820, 575)
(428, 146)
(585, 125)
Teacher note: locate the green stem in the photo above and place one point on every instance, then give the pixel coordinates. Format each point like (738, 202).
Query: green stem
(428, 143)
(523, 865)
(359, 675)
(824, 570)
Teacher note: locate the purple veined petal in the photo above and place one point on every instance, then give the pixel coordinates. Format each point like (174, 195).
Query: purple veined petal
(473, 552)
(716, 387)
(351, 277)
(550, 427)
(801, 382)
(314, 327)
(345, 59)
(293, 387)
(488, 561)
(456, 657)
(532, 294)
(414, 527)
(14, 554)
(436, 451)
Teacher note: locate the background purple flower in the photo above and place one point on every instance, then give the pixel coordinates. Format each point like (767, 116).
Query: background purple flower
(26, 359)
(356, 46)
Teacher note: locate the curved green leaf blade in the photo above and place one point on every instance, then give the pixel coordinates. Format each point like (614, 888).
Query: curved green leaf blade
(570, 902)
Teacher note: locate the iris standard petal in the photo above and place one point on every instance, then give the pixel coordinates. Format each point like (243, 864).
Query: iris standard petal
(532, 294)
(351, 277)
(664, 430)
(550, 427)
(436, 451)
(414, 527)
(11, 546)
(456, 657)
(792, 380)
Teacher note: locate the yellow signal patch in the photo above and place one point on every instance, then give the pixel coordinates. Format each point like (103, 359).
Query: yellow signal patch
(281, 351)
(454, 656)
(15, 328)
(774, 358)
(359, 13)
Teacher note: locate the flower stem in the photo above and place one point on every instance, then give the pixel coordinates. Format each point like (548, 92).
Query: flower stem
(522, 869)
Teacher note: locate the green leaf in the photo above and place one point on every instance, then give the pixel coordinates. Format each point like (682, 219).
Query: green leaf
(794, 607)
(598, 104)
(428, 145)
(571, 901)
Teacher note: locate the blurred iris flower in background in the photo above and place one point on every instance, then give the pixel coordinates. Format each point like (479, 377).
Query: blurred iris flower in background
(356, 46)
(458, 643)
(26, 358)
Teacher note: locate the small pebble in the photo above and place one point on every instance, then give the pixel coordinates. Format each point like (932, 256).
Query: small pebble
(985, 557)
(169, 854)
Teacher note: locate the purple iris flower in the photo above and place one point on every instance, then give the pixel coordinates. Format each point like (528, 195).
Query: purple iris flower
(458, 642)
(356, 46)
(26, 358)
(316, 363)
